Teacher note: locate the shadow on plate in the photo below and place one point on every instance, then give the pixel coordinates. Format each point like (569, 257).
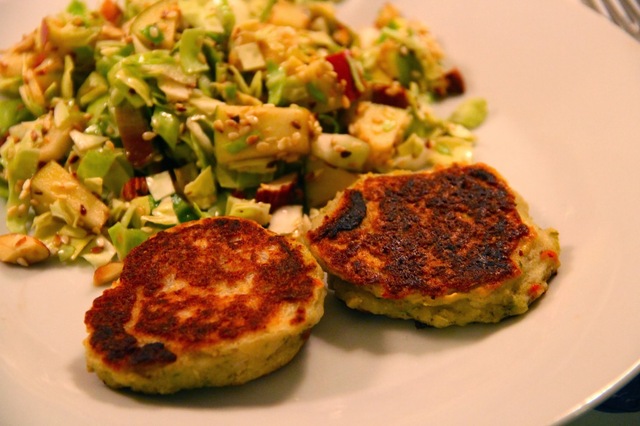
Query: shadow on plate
(350, 330)
(346, 354)
(271, 389)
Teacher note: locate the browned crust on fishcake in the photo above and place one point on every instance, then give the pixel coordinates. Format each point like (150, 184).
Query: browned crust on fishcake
(208, 256)
(429, 234)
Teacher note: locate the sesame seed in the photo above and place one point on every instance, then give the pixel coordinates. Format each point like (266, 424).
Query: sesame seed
(67, 185)
(218, 125)
(253, 139)
(233, 136)
(21, 261)
(284, 143)
(262, 146)
(147, 136)
(154, 32)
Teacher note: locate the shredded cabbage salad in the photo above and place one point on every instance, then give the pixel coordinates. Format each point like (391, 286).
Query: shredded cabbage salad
(119, 122)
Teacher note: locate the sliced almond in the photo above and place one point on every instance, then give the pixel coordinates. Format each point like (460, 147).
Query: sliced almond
(106, 274)
(22, 249)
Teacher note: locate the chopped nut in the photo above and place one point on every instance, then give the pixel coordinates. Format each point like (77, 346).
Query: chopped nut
(134, 187)
(108, 273)
(22, 249)
(253, 139)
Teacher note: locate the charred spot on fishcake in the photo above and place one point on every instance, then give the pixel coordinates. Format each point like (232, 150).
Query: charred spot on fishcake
(108, 318)
(351, 215)
(151, 354)
(197, 286)
(428, 233)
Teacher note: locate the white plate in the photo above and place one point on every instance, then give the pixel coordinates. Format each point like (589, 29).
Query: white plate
(563, 86)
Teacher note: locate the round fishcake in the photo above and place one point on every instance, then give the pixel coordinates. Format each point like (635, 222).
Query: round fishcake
(452, 246)
(213, 302)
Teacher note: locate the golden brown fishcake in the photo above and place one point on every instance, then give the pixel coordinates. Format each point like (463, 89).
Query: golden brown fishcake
(208, 303)
(451, 246)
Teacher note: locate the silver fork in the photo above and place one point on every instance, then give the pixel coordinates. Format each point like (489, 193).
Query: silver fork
(624, 13)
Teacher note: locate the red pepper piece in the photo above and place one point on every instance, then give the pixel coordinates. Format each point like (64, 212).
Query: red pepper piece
(340, 63)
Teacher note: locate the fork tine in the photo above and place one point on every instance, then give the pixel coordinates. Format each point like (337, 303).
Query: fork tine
(614, 13)
(629, 24)
(631, 10)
